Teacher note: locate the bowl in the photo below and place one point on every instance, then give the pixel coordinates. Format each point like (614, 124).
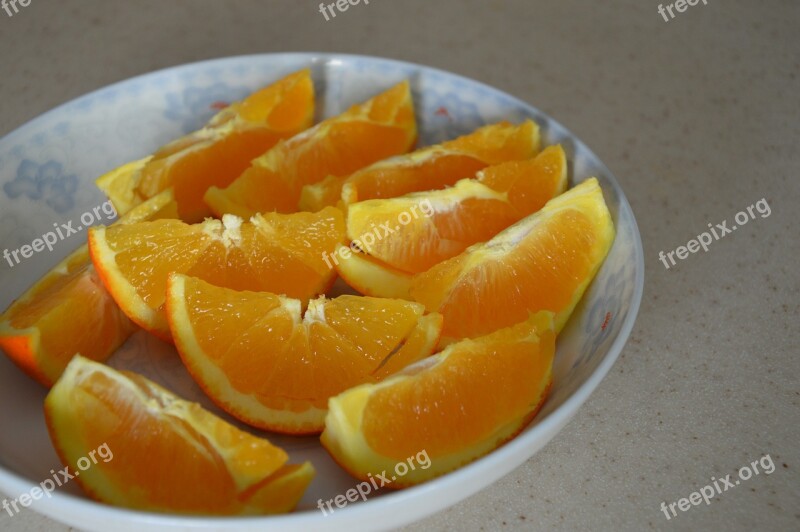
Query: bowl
(47, 172)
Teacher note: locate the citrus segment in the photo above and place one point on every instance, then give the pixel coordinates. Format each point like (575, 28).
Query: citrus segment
(275, 367)
(543, 262)
(430, 168)
(368, 132)
(153, 451)
(327, 192)
(530, 184)
(455, 406)
(69, 311)
(218, 153)
(371, 277)
(272, 252)
(419, 230)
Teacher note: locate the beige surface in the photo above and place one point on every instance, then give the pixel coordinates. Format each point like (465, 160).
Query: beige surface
(698, 117)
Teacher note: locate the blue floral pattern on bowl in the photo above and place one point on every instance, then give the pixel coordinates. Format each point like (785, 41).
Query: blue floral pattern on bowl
(46, 182)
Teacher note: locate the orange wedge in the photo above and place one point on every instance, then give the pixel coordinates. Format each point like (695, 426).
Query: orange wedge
(131, 443)
(272, 252)
(379, 128)
(543, 262)
(218, 153)
(69, 311)
(275, 367)
(446, 411)
(414, 232)
(430, 168)
(370, 276)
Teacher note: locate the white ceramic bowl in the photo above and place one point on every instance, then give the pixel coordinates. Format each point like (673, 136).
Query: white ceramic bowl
(47, 172)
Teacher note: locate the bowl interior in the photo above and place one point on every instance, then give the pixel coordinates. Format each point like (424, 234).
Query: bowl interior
(47, 170)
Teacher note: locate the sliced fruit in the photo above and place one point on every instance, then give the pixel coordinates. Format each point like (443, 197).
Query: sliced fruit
(543, 262)
(273, 366)
(218, 153)
(379, 128)
(325, 193)
(451, 408)
(414, 232)
(69, 311)
(272, 252)
(152, 451)
(119, 184)
(430, 168)
(529, 184)
(369, 276)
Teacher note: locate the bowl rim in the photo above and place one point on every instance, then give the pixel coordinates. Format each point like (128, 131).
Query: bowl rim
(456, 484)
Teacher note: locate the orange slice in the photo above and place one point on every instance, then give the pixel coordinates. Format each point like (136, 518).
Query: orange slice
(430, 168)
(446, 411)
(218, 153)
(370, 276)
(69, 311)
(131, 443)
(275, 367)
(543, 262)
(272, 252)
(414, 232)
(379, 128)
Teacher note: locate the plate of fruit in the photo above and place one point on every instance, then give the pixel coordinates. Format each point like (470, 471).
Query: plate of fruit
(297, 291)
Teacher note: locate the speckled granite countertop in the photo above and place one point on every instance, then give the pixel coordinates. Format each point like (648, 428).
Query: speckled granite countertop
(698, 118)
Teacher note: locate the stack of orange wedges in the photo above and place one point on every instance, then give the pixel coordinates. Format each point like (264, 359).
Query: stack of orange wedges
(366, 133)
(468, 258)
(429, 168)
(422, 229)
(218, 153)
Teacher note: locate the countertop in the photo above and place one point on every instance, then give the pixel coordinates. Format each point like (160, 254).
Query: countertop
(698, 117)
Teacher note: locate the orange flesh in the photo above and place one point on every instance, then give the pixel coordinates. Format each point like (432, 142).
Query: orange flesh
(543, 262)
(426, 241)
(274, 253)
(78, 293)
(392, 181)
(269, 352)
(215, 164)
(204, 159)
(182, 458)
(439, 166)
(455, 218)
(321, 194)
(474, 389)
(69, 311)
(372, 277)
(536, 272)
(529, 184)
(377, 129)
